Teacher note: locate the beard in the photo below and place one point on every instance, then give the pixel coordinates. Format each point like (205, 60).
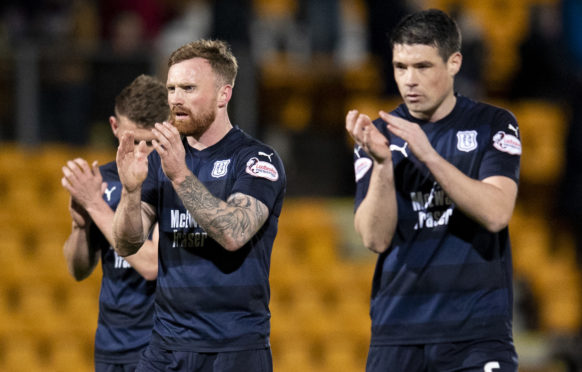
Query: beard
(193, 124)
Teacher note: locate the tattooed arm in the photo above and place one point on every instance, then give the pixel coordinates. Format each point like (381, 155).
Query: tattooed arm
(232, 223)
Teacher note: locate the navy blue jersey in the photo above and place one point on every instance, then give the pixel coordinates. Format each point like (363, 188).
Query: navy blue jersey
(126, 299)
(444, 278)
(207, 298)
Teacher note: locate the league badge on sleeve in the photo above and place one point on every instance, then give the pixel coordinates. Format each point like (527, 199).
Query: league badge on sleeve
(361, 167)
(507, 143)
(263, 169)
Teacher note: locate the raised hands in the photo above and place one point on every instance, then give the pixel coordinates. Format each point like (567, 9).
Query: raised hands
(168, 144)
(83, 182)
(132, 162)
(366, 135)
(411, 133)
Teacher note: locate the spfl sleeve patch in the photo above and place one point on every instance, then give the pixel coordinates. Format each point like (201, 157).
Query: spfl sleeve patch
(361, 167)
(263, 169)
(507, 143)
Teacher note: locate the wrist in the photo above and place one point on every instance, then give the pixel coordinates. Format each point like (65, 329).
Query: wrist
(179, 178)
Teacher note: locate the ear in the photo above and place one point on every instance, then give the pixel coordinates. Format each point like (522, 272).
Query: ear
(454, 63)
(224, 95)
(114, 125)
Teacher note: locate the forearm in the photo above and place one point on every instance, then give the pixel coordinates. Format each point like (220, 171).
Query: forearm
(231, 223)
(145, 261)
(490, 205)
(128, 230)
(377, 216)
(102, 215)
(80, 260)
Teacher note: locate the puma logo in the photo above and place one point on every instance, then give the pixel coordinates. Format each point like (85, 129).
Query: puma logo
(108, 192)
(265, 154)
(514, 129)
(401, 149)
(490, 366)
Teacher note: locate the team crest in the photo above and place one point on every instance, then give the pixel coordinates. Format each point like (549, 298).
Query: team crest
(467, 140)
(263, 169)
(220, 168)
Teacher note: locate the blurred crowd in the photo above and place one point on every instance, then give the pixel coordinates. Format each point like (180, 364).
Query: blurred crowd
(302, 62)
(62, 62)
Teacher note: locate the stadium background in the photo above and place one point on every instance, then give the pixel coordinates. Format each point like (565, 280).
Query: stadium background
(303, 65)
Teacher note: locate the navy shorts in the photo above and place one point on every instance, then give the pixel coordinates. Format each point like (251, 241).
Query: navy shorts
(156, 359)
(466, 356)
(115, 367)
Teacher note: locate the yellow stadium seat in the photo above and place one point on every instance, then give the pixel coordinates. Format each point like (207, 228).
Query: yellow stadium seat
(71, 354)
(542, 126)
(21, 353)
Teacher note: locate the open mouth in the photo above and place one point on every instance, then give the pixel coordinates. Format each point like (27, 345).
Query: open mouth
(179, 115)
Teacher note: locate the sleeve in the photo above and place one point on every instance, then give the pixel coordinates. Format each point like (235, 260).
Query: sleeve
(503, 151)
(363, 165)
(260, 173)
(362, 171)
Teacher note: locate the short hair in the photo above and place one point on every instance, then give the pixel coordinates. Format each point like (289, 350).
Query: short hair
(216, 52)
(144, 101)
(429, 27)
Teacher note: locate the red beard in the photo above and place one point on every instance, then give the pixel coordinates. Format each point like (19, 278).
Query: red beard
(190, 124)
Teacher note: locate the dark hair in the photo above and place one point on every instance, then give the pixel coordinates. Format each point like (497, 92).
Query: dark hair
(429, 27)
(216, 52)
(144, 101)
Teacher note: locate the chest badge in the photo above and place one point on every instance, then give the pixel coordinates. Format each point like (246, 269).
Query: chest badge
(220, 168)
(467, 140)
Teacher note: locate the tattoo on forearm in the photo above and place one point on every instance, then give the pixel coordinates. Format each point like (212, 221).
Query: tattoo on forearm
(239, 218)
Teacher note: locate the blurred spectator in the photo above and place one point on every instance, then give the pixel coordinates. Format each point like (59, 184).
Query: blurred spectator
(68, 34)
(321, 19)
(192, 20)
(120, 59)
(152, 15)
(545, 71)
(231, 22)
(469, 81)
(382, 17)
(275, 30)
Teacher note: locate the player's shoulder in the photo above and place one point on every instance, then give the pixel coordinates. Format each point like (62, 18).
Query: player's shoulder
(249, 145)
(485, 109)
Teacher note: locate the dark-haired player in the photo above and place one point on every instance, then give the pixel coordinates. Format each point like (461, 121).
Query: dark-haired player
(128, 284)
(436, 186)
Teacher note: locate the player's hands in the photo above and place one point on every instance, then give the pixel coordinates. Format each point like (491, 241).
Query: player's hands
(83, 182)
(366, 135)
(132, 162)
(412, 133)
(169, 146)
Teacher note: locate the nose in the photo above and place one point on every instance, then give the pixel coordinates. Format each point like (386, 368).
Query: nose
(175, 97)
(410, 77)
